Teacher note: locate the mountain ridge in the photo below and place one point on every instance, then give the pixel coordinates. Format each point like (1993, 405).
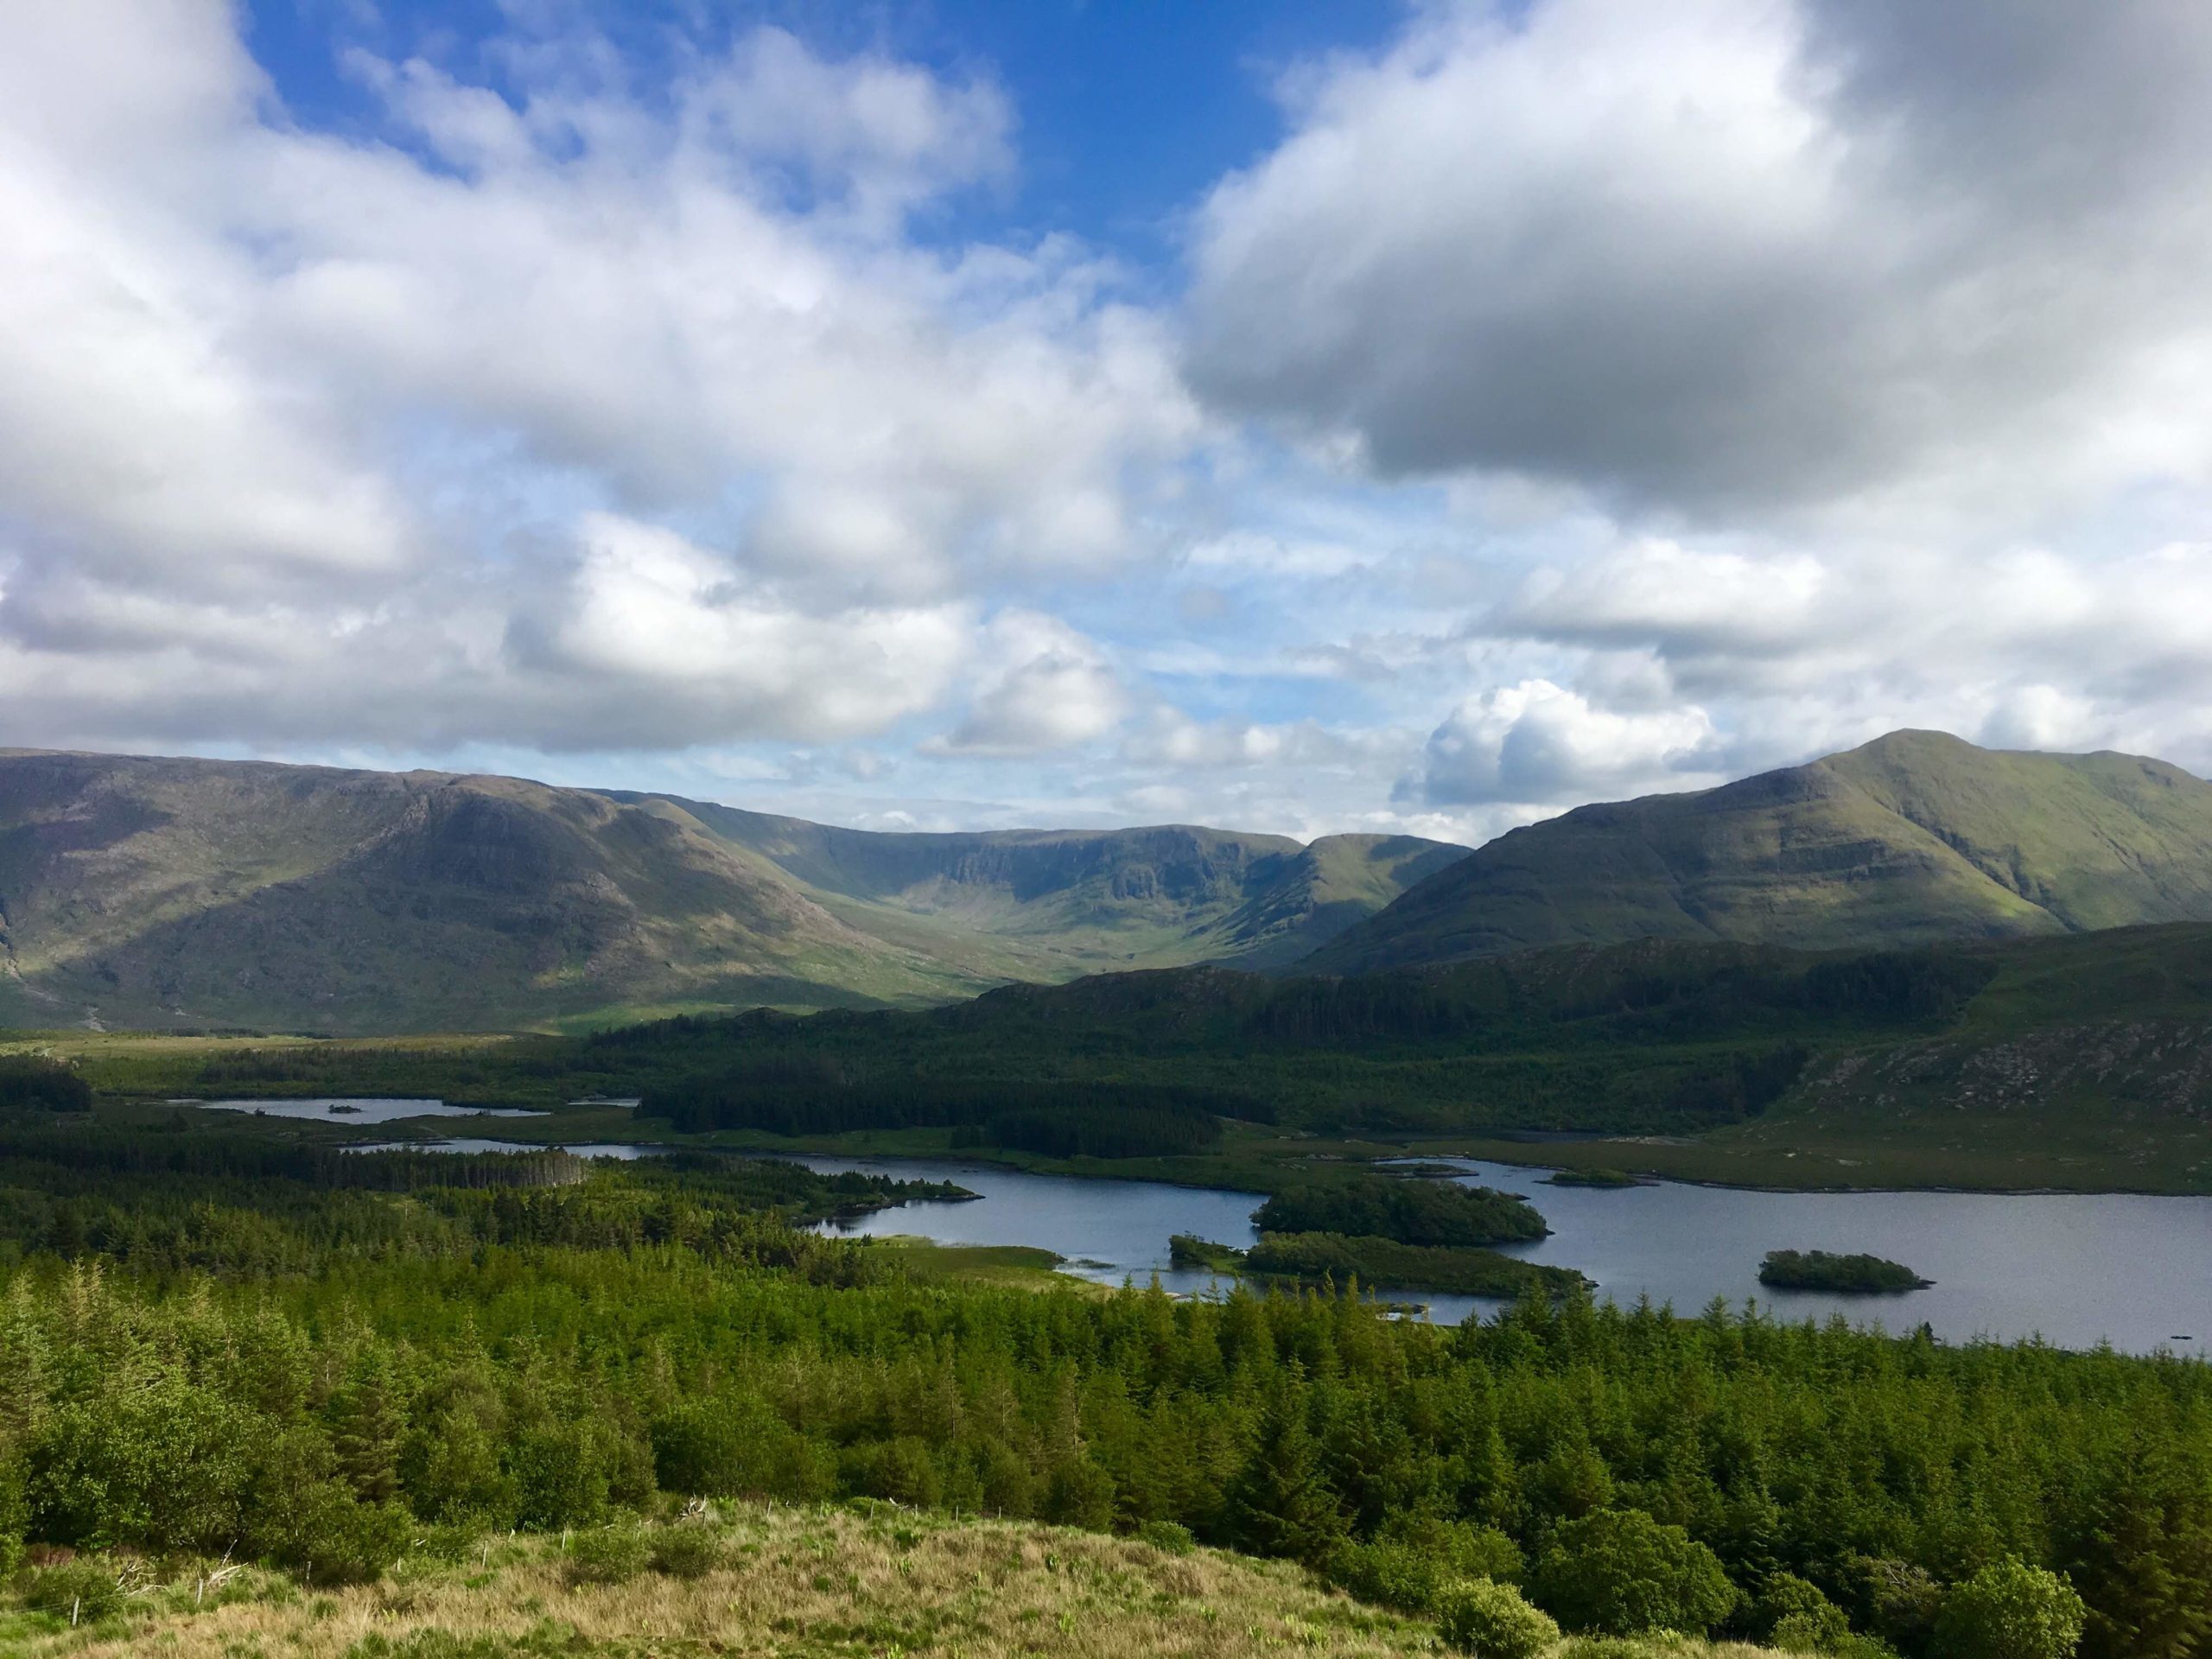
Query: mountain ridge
(1914, 838)
(159, 891)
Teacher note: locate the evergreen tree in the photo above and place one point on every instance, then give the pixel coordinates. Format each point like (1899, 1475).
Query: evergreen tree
(1282, 1504)
(366, 1428)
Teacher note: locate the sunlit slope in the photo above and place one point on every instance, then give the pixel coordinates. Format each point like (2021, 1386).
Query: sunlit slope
(167, 893)
(1914, 837)
(185, 892)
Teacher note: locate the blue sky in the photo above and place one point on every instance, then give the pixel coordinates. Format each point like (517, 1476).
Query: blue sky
(1127, 112)
(1299, 416)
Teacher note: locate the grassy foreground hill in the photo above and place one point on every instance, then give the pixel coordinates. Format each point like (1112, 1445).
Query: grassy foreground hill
(804, 1582)
(161, 893)
(1914, 837)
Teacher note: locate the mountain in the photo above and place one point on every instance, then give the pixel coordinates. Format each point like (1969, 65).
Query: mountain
(179, 892)
(1916, 836)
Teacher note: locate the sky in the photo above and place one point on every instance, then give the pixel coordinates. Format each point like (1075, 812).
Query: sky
(1292, 417)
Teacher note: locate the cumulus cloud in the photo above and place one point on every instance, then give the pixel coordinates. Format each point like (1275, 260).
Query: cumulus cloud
(384, 437)
(1050, 689)
(1735, 256)
(1617, 395)
(1536, 743)
(644, 606)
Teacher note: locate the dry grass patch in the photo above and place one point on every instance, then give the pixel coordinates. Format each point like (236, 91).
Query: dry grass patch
(827, 1583)
(792, 1582)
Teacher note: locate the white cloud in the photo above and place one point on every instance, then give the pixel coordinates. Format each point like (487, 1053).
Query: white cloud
(2042, 717)
(1536, 743)
(646, 606)
(1655, 590)
(1170, 739)
(1732, 257)
(1642, 392)
(1050, 688)
(306, 434)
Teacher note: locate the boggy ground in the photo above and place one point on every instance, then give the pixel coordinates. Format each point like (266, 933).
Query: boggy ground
(797, 1583)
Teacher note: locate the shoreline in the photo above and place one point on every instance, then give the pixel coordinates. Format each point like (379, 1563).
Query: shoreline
(1266, 1162)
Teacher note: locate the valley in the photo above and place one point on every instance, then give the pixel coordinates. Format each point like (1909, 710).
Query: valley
(1023, 1175)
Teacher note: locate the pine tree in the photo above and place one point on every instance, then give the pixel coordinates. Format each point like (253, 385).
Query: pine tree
(366, 1430)
(1282, 1504)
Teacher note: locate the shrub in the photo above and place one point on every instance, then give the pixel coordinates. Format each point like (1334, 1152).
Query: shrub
(1797, 1618)
(1491, 1621)
(722, 1448)
(161, 1466)
(1897, 1600)
(609, 1555)
(1171, 1536)
(1387, 1574)
(1079, 1494)
(686, 1552)
(903, 1470)
(84, 1590)
(1418, 1557)
(1466, 1550)
(2010, 1611)
(353, 1543)
(1620, 1572)
(315, 1524)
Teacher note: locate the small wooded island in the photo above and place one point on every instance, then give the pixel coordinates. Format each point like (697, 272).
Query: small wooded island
(1388, 1231)
(1853, 1275)
(1377, 1263)
(1597, 1177)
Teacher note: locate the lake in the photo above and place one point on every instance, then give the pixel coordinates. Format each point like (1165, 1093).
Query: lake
(2075, 1269)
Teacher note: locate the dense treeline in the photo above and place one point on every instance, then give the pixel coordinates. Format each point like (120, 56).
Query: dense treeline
(233, 1203)
(1099, 1132)
(548, 1356)
(1651, 1037)
(1433, 1213)
(1632, 1040)
(35, 1082)
(317, 1420)
(808, 1095)
(1646, 992)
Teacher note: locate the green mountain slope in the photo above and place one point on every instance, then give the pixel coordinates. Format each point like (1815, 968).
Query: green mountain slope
(1916, 836)
(164, 893)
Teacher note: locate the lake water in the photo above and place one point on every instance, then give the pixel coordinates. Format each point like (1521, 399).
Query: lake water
(1109, 1230)
(2073, 1268)
(358, 1109)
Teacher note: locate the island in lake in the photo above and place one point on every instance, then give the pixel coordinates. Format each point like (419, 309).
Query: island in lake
(1855, 1276)
(1593, 1178)
(1383, 1263)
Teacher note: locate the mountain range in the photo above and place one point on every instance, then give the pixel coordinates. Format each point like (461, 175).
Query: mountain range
(151, 893)
(1915, 837)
